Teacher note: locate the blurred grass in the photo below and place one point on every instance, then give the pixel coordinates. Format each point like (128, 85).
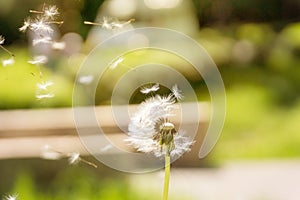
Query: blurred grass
(40, 179)
(18, 84)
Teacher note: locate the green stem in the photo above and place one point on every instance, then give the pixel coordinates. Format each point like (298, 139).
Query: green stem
(167, 177)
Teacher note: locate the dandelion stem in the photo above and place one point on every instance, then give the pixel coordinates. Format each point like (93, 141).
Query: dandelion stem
(167, 177)
(7, 51)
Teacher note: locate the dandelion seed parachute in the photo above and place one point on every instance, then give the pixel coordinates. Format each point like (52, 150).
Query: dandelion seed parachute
(9, 61)
(146, 90)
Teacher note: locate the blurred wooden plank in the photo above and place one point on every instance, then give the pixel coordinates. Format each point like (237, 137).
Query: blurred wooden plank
(24, 132)
(23, 123)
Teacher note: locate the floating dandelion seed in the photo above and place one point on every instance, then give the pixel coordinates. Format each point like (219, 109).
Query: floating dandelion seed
(38, 60)
(40, 25)
(146, 90)
(9, 61)
(2, 40)
(44, 85)
(177, 92)
(44, 96)
(26, 25)
(85, 80)
(74, 158)
(44, 40)
(110, 23)
(116, 63)
(51, 11)
(48, 153)
(11, 197)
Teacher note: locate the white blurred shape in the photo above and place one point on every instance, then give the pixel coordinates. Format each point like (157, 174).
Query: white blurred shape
(73, 43)
(116, 63)
(106, 148)
(58, 45)
(9, 61)
(243, 51)
(44, 96)
(48, 153)
(161, 4)
(44, 85)
(121, 8)
(85, 80)
(138, 40)
(37, 60)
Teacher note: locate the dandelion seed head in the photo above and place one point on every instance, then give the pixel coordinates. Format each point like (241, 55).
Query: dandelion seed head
(9, 61)
(74, 158)
(146, 90)
(150, 130)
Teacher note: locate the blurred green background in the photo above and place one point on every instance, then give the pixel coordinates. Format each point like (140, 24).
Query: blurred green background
(255, 44)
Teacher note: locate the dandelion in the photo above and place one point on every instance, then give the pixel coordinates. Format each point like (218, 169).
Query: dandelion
(11, 197)
(9, 61)
(177, 92)
(146, 90)
(85, 80)
(116, 63)
(150, 131)
(38, 60)
(44, 85)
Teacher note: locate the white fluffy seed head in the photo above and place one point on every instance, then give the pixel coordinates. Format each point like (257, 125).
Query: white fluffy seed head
(150, 120)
